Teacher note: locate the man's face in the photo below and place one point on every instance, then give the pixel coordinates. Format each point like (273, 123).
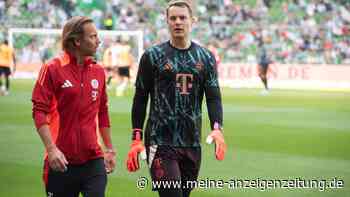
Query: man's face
(179, 22)
(89, 41)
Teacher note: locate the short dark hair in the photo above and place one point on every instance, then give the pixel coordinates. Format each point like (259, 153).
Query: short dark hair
(73, 30)
(179, 3)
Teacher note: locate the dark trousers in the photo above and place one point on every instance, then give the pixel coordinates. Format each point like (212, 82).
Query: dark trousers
(174, 164)
(90, 179)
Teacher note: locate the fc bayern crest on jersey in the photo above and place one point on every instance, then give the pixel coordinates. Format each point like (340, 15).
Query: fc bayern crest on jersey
(94, 83)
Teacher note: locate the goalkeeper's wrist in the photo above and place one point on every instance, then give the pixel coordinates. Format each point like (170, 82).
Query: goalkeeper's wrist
(137, 134)
(218, 126)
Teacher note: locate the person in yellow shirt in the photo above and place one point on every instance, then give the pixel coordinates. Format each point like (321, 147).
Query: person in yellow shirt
(7, 61)
(125, 61)
(118, 60)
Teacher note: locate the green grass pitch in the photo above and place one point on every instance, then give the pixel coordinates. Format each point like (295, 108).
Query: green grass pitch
(284, 135)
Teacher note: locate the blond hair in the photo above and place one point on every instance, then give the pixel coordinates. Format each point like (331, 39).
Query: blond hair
(73, 30)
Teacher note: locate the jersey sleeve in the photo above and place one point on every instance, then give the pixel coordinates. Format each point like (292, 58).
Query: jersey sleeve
(212, 92)
(42, 97)
(103, 117)
(144, 84)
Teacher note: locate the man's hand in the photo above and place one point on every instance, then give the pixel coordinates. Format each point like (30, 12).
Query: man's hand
(136, 148)
(57, 160)
(109, 159)
(220, 145)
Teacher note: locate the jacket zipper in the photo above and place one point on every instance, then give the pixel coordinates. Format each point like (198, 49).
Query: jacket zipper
(79, 114)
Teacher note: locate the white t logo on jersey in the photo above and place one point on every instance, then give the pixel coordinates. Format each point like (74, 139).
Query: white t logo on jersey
(184, 82)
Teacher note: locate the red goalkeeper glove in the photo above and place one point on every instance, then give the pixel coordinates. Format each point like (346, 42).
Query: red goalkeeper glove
(136, 148)
(220, 145)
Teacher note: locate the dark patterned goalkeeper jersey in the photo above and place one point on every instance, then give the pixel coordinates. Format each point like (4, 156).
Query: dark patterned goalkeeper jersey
(176, 81)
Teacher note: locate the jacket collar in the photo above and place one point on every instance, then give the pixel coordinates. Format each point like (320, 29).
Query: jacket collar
(69, 58)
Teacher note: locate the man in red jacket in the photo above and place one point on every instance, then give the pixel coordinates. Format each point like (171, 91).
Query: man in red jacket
(69, 100)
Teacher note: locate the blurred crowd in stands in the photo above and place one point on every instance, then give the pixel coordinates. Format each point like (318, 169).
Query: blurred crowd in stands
(293, 31)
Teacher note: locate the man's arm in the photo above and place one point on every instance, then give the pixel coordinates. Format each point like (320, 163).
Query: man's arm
(106, 137)
(144, 84)
(42, 99)
(105, 131)
(213, 94)
(214, 105)
(109, 149)
(56, 158)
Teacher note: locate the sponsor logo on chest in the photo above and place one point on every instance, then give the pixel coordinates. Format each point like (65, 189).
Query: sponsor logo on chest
(66, 84)
(184, 83)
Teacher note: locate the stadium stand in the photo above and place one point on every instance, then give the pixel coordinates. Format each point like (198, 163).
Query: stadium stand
(296, 31)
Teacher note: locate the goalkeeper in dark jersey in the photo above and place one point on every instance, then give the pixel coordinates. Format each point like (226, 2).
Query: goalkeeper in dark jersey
(175, 75)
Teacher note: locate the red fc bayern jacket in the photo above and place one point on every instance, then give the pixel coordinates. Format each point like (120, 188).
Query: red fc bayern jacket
(72, 99)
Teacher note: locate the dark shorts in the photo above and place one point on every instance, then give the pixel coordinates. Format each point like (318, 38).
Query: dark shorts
(264, 65)
(124, 71)
(174, 164)
(90, 179)
(5, 70)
